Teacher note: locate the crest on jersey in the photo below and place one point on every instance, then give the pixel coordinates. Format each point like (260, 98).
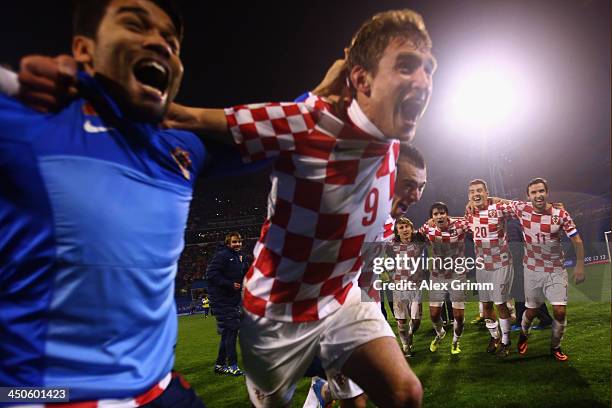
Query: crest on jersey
(89, 110)
(555, 219)
(181, 157)
(492, 213)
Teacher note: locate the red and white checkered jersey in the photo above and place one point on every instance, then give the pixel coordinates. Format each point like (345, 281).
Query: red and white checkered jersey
(489, 233)
(408, 252)
(542, 234)
(388, 234)
(332, 186)
(449, 243)
(377, 249)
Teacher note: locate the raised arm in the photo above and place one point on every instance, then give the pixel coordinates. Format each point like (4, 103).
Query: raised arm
(213, 122)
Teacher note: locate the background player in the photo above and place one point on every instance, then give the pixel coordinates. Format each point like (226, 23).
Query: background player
(545, 274)
(407, 303)
(487, 223)
(446, 240)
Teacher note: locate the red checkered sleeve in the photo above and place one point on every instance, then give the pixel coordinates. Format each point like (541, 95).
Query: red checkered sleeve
(506, 210)
(266, 130)
(568, 224)
(424, 230)
(516, 207)
(461, 224)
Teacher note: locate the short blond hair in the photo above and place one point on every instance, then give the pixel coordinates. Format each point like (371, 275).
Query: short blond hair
(402, 220)
(373, 37)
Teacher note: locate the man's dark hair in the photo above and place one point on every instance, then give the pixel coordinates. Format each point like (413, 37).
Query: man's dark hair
(412, 154)
(479, 181)
(87, 15)
(437, 206)
(537, 180)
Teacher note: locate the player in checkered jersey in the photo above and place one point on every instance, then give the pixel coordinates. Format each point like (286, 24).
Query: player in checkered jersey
(331, 187)
(446, 239)
(545, 275)
(407, 304)
(486, 222)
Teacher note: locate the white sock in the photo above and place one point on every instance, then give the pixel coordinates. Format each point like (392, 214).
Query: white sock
(411, 327)
(526, 323)
(457, 329)
(480, 309)
(401, 329)
(558, 329)
(511, 309)
(505, 326)
(438, 326)
(492, 326)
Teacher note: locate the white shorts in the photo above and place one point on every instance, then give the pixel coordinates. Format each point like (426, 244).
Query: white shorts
(457, 297)
(276, 354)
(501, 279)
(540, 286)
(407, 303)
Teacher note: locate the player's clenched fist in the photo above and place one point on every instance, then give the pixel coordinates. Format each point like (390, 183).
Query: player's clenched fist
(47, 84)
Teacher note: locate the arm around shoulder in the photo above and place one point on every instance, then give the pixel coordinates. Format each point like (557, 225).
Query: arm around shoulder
(211, 123)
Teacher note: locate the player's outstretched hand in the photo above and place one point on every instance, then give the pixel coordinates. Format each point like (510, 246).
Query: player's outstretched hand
(579, 274)
(47, 84)
(559, 206)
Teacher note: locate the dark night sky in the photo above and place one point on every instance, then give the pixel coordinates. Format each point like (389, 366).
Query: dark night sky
(236, 52)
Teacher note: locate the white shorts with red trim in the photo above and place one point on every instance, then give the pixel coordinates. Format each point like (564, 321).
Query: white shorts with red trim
(276, 354)
(541, 286)
(407, 303)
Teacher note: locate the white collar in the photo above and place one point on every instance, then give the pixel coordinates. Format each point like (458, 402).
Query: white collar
(362, 122)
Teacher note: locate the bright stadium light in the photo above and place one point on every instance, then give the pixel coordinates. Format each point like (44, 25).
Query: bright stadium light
(488, 95)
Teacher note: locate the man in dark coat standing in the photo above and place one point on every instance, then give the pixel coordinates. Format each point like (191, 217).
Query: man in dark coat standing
(224, 275)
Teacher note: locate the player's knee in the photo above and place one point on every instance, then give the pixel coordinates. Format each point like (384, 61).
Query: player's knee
(407, 393)
(559, 315)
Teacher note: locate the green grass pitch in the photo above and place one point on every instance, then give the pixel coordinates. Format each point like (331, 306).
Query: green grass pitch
(474, 379)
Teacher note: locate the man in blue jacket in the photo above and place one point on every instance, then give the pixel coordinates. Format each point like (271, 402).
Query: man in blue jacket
(224, 275)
